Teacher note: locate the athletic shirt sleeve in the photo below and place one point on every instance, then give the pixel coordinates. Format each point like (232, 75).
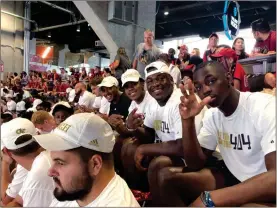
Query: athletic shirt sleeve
(148, 120)
(266, 125)
(17, 182)
(208, 134)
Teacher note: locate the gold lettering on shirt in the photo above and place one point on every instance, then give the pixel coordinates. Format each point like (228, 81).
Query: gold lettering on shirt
(157, 125)
(224, 139)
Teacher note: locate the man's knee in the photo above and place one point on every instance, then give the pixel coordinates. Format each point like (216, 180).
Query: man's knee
(129, 148)
(159, 163)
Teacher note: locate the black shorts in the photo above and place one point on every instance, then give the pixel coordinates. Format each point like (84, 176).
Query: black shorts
(229, 178)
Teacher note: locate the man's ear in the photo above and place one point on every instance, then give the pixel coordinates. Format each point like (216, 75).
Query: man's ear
(6, 151)
(95, 164)
(229, 78)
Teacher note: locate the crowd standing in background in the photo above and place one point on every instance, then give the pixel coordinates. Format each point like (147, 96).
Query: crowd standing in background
(172, 130)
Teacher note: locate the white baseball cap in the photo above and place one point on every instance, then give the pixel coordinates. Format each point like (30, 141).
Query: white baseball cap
(160, 66)
(109, 82)
(131, 75)
(80, 130)
(14, 129)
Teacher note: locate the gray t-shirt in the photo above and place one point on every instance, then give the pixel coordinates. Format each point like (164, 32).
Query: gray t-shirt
(145, 57)
(124, 64)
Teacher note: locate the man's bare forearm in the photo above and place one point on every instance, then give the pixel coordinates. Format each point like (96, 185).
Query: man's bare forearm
(5, 178)
(193, 153)
(259, 189)
(144, 135)
(122, 130)
(171, 148)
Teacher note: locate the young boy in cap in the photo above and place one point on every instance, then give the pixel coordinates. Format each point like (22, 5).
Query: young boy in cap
(61, 111)
(83, 170)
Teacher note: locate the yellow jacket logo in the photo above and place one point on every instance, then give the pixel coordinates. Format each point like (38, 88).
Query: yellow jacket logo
(20, 131)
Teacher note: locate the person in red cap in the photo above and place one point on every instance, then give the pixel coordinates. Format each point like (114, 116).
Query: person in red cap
(213, 41)
(228, 58)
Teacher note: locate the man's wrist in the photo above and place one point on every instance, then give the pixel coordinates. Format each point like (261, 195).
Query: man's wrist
(130, 129)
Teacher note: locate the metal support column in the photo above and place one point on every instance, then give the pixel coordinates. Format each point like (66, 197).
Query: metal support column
(27, 27)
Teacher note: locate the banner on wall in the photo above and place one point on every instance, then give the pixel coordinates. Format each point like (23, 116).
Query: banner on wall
(231, 19)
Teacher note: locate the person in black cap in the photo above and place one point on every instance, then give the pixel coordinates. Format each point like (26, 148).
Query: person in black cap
(213, 41)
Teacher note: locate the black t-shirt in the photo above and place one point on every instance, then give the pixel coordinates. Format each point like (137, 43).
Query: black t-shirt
(121, 107)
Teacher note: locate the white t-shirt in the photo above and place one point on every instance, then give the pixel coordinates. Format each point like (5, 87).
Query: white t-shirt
(105, 106)
(26, 94)
(87, 99)
(97, 102)
(38, 187)
(176, 74)
(20, 106)
(166, 120)
(115, 194)
(11, 105)
(244, 137)
(17, 181)
(142, 106)
(71, 95)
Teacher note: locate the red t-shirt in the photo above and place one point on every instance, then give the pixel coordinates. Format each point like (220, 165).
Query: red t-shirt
(269, 44)
(240, 75)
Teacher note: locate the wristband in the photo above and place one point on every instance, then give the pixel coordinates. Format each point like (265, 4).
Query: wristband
(206, 199)
(128, 128)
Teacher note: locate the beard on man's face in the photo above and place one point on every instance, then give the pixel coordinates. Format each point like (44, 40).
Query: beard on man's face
(80, 185)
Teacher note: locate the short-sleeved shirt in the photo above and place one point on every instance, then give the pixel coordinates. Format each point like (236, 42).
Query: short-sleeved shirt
(124, 64)
(245, 137)
(240, 75)
(115, 194)
(268, 45)
(166, 120)
(141, 106)
(37, 189)
(87, 99)
(121, 107)
(17, 181)
(145, 57)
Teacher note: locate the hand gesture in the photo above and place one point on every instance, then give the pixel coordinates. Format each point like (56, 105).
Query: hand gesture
(139, 156)
(189, 106)
(134, 119)
(115, 120)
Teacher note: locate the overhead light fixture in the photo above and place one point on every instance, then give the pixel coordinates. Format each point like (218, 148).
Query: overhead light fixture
(166, 11)
(45, 53)
(49, 35)
(88, 25)
(78, 28)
